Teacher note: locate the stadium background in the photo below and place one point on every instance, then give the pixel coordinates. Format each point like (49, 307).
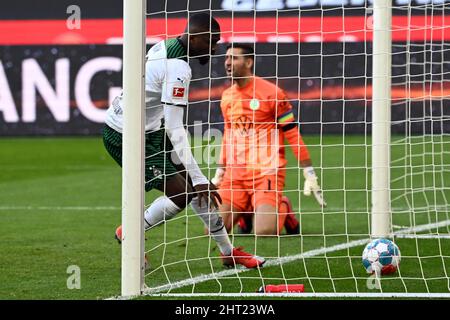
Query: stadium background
(330, 77)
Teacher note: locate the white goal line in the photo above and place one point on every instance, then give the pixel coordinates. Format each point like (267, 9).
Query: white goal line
(156, 291)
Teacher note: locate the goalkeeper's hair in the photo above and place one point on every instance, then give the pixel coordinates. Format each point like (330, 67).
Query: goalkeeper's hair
(247, 50)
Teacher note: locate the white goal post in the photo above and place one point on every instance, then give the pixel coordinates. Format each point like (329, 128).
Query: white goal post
(381, 118)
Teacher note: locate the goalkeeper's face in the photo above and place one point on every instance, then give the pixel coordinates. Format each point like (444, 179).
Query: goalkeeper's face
(237, 65)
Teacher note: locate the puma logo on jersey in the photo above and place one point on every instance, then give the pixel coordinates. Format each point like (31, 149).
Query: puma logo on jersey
(178, 92)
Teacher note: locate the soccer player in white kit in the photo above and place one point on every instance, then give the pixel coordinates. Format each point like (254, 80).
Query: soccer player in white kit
(166, 87)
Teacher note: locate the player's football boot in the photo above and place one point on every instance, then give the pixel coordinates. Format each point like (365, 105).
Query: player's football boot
(245, 224)
(118, 234)
(238, 256)
(291, 223)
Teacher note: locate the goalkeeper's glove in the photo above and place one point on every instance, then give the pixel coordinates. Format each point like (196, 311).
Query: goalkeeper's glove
(311, 185)
(218, 177)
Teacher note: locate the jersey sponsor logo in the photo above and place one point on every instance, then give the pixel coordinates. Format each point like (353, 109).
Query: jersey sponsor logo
(178, 92)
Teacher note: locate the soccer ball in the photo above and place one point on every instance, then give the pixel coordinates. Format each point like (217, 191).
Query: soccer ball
(381, 256)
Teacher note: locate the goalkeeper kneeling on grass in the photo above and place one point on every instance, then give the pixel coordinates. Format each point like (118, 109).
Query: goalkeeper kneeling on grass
(258, 118)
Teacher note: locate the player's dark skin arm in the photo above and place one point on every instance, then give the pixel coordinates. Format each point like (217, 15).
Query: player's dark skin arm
(206, 193)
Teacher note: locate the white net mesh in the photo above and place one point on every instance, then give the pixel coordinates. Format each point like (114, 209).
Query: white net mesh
(321, 56)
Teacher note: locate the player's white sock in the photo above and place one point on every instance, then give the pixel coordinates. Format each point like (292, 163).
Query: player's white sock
(161, 210)
(213, 221)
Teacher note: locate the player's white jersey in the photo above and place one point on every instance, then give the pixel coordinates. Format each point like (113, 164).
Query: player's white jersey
(167, 78)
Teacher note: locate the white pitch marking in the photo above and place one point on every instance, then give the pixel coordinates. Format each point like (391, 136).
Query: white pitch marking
(423, 236)
(225, 273)
(312, 295)
(287, 259)
(423, 227)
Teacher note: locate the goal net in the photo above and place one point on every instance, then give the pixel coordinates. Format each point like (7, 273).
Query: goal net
(320, 53)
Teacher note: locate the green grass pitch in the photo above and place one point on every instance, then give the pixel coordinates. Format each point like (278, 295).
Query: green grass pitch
(60, 204)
